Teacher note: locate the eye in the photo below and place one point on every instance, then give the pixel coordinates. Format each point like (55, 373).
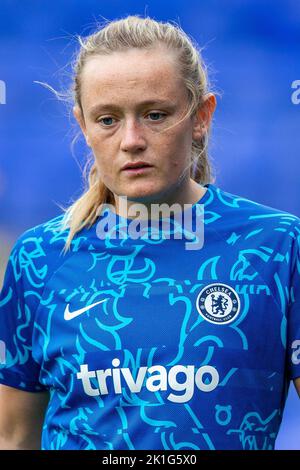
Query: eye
(107, 121)
(156, 116)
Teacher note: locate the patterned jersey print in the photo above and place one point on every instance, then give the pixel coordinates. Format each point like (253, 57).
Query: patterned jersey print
(143, 344)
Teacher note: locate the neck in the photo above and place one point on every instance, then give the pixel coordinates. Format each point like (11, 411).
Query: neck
(188, 193)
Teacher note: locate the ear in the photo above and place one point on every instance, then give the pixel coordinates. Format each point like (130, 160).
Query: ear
(80, 119)
(203, 116)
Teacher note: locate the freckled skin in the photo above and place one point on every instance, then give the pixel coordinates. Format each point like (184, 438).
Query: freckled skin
(128, 131)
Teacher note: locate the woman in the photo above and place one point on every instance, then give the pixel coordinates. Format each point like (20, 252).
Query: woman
(122, 341)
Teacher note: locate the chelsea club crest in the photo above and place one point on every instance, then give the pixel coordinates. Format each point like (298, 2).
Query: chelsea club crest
(218, 304)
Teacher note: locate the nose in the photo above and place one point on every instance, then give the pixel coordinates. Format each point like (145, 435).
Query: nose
(133, 139)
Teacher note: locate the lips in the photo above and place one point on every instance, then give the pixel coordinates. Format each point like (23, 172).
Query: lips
(136, 165)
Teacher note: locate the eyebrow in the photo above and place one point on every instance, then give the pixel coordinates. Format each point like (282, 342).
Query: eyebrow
(114, 107)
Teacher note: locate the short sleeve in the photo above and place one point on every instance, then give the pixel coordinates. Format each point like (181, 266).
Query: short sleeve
(294, 312)
(18, 368)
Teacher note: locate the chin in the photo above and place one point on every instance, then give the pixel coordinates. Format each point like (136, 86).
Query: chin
(141, 193)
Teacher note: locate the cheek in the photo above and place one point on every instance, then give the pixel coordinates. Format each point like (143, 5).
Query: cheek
(105, 168)
(179, 149)
(182, 135)
(104, 152)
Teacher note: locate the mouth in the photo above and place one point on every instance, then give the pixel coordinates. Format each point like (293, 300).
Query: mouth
(137, 167)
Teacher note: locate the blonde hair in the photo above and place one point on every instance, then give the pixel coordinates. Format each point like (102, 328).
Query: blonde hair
(142, 33)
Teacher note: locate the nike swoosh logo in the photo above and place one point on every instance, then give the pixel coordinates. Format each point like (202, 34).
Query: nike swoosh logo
(70, 315)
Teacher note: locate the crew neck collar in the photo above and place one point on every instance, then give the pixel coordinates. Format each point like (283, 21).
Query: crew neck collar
(203, 200)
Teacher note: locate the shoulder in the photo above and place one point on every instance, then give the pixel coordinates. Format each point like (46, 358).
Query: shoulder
(37, 252)
(47, 235)
(236, 210)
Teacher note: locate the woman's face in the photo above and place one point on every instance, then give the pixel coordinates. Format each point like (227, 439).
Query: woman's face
(129, 101)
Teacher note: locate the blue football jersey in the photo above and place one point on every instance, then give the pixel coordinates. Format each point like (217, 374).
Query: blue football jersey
(145, 344)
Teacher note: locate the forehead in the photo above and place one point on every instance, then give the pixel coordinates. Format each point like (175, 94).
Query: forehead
(130, 75)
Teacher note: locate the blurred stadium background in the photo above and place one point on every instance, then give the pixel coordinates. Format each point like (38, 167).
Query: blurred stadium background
(252, 49)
